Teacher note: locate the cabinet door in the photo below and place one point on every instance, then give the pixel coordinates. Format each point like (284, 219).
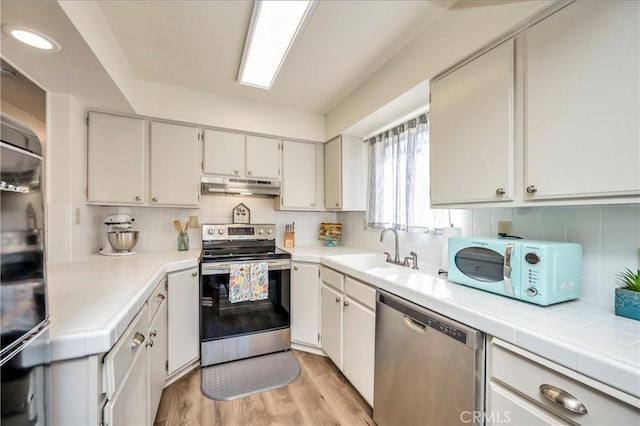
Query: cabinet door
(582, 104)
(115, 159)
(129, 404)
(358, 347)
(184, 324)
(298, 175)
(157, 358)
(331, 324)
(175, 157)
(471, 130)
(263, 157)
(333, 174)
(223, 153)
(305, 303)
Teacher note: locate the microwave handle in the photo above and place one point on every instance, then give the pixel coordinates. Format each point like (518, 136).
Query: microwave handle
(506, 270)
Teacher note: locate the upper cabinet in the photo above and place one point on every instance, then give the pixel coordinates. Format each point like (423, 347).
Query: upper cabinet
(234, 154)
(345, 174)
(302, 176)
(174, 164)
(471, 129)
(116, 168)
(582, 102)
(565, 130)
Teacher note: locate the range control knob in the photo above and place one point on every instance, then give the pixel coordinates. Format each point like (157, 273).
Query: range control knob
(532, 291)
(269, 231)
(220, 231)
(260, 231)
(210, 231)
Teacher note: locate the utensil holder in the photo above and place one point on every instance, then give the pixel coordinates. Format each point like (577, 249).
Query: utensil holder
(183, 241)
(289, 239)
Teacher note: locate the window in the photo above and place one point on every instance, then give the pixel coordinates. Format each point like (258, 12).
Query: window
(399, 180)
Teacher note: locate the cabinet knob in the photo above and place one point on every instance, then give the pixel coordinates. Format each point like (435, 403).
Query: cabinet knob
(345, 303)
(531, 189)
(295, 268)
(235, 171)
(500, 192)
(248, 172)
(138, 339)
(194, 274)
(313, 204)
(160, 298)
(154, 199)
(337, 204)
(138, 198)
(337, 300)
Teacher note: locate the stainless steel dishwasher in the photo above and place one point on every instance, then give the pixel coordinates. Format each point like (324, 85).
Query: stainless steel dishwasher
(429, 369)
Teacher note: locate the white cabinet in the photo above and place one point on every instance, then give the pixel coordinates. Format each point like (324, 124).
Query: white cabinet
(184, 324)
(348, 328)
(262, 157)
(223, 153)
(345, 171)
(305, 303)
(302, 176)
(116, 167)
(583, 102)
(174, 163)
(234, 154)
(516, 383)
(471, 130)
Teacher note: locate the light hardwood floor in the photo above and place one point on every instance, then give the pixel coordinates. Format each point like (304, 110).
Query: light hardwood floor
(321, 395)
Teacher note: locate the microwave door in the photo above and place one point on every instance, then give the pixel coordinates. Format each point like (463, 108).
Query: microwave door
(481, 264)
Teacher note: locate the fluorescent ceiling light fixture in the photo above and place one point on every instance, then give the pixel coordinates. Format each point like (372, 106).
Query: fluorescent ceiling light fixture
(32, 38)
(275, 26)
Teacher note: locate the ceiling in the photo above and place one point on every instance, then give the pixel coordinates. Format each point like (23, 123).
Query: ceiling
(198, 45)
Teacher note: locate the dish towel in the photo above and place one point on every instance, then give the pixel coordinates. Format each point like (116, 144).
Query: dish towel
(248, 281)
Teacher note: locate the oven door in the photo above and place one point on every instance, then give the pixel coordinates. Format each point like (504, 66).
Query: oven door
(220, 318)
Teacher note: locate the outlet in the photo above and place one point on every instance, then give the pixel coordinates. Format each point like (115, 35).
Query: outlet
(504, 227)
(193, 222)
(76, 216)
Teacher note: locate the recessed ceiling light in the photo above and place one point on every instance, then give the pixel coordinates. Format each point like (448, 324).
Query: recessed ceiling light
(275, 26)
(32, 38)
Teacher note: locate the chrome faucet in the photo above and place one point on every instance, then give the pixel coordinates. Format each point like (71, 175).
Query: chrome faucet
(414, 258)
(396, 258)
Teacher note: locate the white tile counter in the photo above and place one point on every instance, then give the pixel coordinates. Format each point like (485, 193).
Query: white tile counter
(313, 254)
(579, 335)
(92, 302)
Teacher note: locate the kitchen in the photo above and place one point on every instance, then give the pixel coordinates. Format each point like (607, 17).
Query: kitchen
(104, 67)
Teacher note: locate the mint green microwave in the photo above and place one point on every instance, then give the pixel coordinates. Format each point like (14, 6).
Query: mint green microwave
(540, 272)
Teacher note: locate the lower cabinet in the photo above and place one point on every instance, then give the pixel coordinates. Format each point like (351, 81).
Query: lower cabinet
(524, 388)
(184, 319)
(348, 328)
(158, 351)
(305, 303)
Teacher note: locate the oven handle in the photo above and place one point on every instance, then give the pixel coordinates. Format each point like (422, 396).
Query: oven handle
(218, 268)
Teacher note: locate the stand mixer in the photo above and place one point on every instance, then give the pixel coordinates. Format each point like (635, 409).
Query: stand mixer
(120, 236)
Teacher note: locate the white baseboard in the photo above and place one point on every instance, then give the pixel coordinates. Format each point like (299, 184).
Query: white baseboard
(305, 348)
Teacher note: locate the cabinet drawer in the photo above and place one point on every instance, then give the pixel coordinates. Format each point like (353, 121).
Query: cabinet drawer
(526, 377)
(157, 298)
(118, 361)
(360, 292)
(332, 278)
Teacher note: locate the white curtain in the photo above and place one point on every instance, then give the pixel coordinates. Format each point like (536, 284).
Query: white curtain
(399, 180)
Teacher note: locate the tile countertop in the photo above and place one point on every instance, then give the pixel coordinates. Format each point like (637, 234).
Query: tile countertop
(579, 335)
(92, 302)
(314, 254)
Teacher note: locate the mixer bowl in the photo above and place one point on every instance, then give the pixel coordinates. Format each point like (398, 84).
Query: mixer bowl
(122, 241)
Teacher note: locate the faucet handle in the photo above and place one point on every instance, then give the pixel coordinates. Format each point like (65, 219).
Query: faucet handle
(414, 256)
(388, 259)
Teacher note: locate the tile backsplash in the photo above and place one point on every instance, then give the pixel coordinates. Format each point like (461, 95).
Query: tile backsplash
(609, 234)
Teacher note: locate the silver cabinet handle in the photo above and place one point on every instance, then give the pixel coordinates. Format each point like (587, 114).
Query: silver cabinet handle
(500, 192)
(159, 298)
(414, 325)
(345, 303)
(563, 399)
(295, 268)
(194, 274)
(531, 189)
(506, 269)
(138, 198)
(154, 199)
(337, 300)
(138, 339)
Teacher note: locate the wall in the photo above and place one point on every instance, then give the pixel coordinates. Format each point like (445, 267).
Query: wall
(466, 27)
(65, 163)
(610, 237)
(157, 232)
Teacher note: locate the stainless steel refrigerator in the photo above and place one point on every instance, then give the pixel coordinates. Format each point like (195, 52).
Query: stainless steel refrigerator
(24, 316)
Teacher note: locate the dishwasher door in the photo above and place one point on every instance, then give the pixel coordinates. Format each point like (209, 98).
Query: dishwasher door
(429, 369)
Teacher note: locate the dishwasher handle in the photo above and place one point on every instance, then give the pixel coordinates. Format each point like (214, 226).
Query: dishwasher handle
(414, 325)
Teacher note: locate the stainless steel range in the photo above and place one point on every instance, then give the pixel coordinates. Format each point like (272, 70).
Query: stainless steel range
(244, 293)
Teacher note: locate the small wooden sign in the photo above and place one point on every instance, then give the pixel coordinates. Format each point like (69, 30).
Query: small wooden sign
(241, 214)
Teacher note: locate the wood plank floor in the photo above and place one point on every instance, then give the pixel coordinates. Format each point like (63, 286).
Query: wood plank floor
(320, 396)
